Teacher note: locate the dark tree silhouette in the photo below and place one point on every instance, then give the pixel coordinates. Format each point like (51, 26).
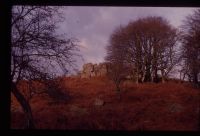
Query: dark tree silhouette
(117, 72)
(118, 69)
(191, 47)
(37, 52)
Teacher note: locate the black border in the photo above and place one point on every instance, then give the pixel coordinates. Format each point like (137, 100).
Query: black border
(5, 15)
(141, 3)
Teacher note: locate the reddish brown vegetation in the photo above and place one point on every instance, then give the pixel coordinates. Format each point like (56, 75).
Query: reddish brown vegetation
(149, 106)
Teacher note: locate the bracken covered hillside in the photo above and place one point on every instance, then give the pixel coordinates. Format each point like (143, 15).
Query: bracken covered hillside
(94, 105)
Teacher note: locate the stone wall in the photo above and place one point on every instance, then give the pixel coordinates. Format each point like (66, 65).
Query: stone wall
(94, 70)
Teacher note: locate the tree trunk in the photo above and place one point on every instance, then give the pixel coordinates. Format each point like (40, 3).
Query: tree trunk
(189, 78)
(25, 106)
(118, 92)
(195, 78)
(147, 73)
(152, 76)
(143, 76)
(156, 75)
(183, 77)
(137, 77)
(163, 78)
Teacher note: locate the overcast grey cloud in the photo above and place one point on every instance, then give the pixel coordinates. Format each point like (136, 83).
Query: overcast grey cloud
(92, 26)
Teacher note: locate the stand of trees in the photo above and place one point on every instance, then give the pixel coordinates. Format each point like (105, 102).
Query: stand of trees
(147, 46)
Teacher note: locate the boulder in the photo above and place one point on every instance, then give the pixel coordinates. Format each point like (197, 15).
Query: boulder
(98, 102)
(78, 110)
(175, 107)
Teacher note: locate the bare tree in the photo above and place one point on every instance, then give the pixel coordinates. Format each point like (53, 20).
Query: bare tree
(191, 46)
(117, 65)
(37, 52)
(117, 72)
(149, 46)
(168, 56)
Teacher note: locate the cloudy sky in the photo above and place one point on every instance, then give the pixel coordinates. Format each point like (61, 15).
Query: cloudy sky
(92, 26)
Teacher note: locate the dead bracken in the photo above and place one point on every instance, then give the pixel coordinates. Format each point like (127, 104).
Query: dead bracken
(149, 106)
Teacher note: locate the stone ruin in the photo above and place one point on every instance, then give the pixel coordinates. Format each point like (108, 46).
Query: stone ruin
(94, 70)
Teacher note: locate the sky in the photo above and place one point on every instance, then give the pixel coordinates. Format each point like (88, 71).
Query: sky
(92, 25)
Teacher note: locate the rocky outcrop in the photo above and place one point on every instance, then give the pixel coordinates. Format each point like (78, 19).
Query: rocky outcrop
(88, 70)
(94, 70)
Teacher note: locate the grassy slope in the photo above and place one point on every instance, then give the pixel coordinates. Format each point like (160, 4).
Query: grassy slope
(169, 106)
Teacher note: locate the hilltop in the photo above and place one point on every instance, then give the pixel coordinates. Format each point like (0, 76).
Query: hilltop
(93, 105)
